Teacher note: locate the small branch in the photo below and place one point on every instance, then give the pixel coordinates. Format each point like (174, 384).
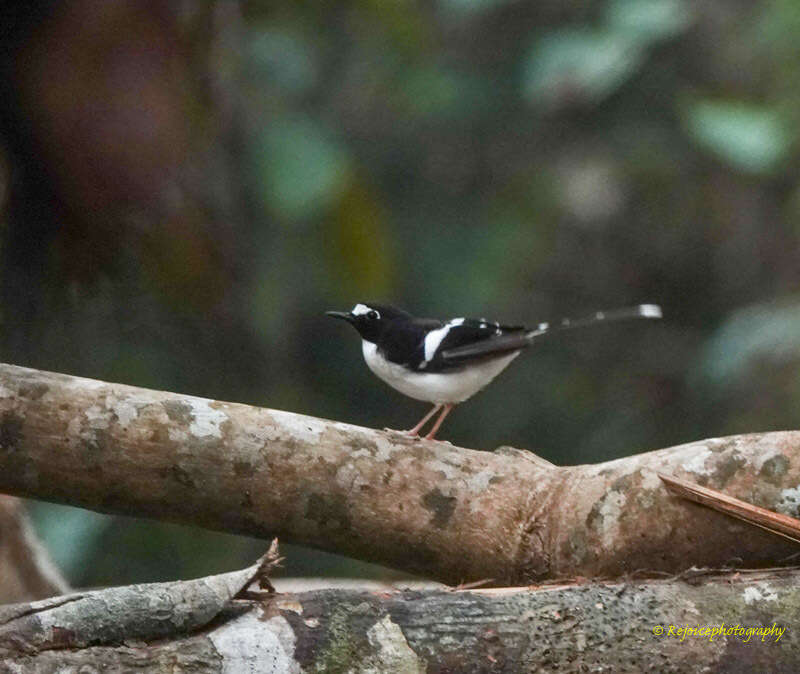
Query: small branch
(781, 525)
(113, 616)
(453, 514)
(269, 562)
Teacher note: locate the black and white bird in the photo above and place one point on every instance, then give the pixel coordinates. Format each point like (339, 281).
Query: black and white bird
(446, 362)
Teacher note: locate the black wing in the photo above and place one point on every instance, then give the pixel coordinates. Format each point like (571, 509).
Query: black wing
(478, 340)
(426, 345)
(494, 346)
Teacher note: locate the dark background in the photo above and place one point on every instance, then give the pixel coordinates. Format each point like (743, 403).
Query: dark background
(186, 187)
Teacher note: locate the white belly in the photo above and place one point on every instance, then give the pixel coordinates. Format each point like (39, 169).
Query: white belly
(433, 387)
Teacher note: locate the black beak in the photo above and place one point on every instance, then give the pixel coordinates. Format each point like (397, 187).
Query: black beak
(344, 315)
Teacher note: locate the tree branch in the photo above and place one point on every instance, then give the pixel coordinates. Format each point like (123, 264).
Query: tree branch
(449, 513)
(200, 626)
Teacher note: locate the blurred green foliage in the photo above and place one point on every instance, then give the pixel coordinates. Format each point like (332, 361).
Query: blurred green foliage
(770, 334)
(580, 65)
(520, 161)
(749, 137)
(303, 171)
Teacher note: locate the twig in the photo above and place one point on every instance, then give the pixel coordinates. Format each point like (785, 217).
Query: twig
(775, 523)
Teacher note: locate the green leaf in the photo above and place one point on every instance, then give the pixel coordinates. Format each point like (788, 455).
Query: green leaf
(433, 91)
(302, 169)
(751, 138)
(752, 335)
(583, 64)
(470, 6)
(282, 58)
(648, 21)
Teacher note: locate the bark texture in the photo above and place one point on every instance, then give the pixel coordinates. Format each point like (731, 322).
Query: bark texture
(201, 626)
(449, 513)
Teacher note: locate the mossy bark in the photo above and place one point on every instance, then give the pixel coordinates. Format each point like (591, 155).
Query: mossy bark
(706, 623)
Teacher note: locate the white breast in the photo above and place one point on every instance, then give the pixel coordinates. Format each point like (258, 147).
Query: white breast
(434, 387)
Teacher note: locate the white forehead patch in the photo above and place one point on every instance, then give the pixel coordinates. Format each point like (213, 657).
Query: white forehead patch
(360, 310)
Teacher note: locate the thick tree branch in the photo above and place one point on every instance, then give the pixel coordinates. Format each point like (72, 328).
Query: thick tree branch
(708, 624)
(449, 513)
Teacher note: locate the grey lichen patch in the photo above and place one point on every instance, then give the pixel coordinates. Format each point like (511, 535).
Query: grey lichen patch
(10, 432)
(697, 463)
(759, 592)
(178, 411)
(97, 418)
(391, 652)
(720, 445)
(789, 502)
(248, 644)
(604, 517)
(125, 409)
(651, 490)
(479, 482)
(774, 468)
(205, 419)
(443, 471)
(440, 505)
(279, 428)
(350, 478)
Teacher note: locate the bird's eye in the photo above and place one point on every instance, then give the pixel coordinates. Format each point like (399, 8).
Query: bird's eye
(373, 315)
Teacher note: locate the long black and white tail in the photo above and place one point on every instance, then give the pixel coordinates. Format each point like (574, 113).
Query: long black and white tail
(639, 311)
(514, 341)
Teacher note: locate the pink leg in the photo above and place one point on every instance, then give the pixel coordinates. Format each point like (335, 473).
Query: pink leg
(439, 421)
(415, 431)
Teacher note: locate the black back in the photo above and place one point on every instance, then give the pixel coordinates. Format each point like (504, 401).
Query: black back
(403, 342)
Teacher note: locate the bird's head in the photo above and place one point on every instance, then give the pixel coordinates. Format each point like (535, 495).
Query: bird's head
(369, 319)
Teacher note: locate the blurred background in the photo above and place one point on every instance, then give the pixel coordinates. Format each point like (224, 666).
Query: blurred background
(185, 188)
